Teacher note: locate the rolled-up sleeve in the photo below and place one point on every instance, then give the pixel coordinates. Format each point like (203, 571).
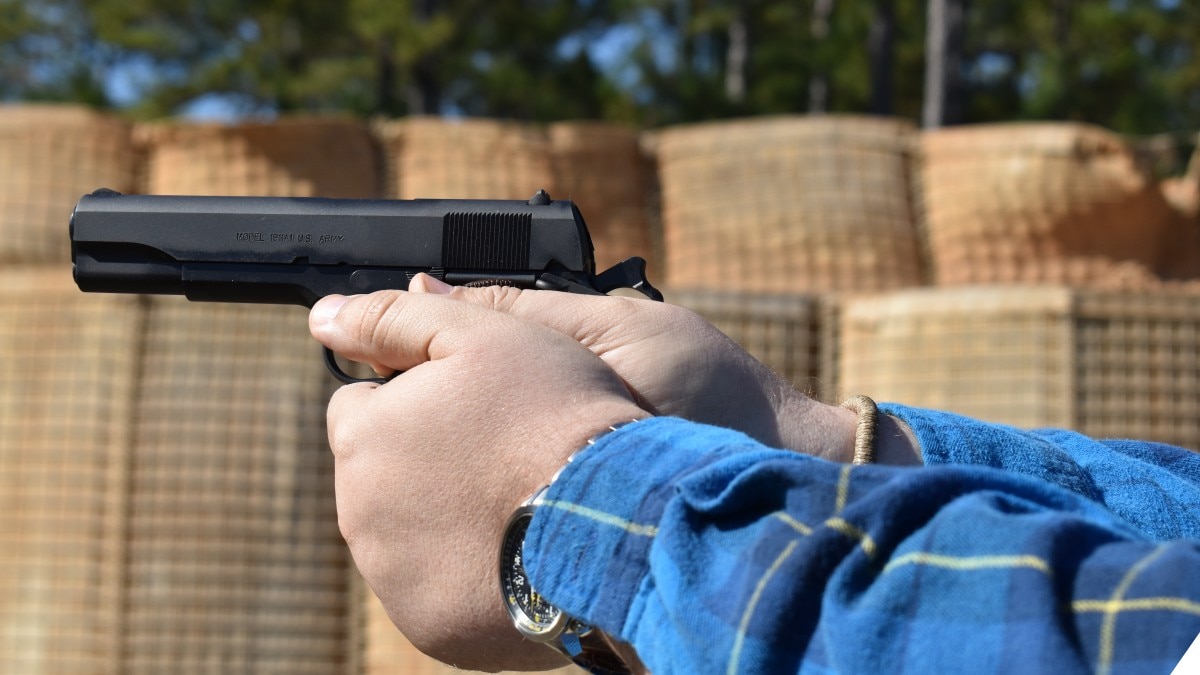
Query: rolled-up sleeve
(711, 553)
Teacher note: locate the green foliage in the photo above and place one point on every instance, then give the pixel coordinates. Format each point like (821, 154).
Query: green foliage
(1127, 64)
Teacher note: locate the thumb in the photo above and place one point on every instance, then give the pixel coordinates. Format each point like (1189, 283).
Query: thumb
(587, 319)
(401, 330)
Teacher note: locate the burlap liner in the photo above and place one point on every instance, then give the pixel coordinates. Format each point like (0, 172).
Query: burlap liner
(49, 157)
(1043, 203)
(299, 157)
(789, 204)
(1108, 364)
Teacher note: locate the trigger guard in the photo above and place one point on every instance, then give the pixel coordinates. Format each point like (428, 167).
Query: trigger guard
(346, 378)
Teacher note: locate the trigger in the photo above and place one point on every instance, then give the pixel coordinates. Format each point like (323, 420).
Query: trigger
(346, 378)
(629, 273)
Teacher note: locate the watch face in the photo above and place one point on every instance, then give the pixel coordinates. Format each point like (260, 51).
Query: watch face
(533, 615)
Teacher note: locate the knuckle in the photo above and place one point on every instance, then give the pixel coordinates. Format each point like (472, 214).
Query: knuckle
(499, 298)
(378, 321)
(346, 527)
(343, 422)
(342, 441)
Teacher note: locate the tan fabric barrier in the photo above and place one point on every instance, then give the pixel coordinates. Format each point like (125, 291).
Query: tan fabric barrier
(1181, 251)
(602, 169)
(598, 166)
(301, 157)
(1107, 364)
(789, 205)
(50, 156)
(231, 443)
(68, 365)
(434, 158)
(235, 563)
(1059, 203)
(167, 488)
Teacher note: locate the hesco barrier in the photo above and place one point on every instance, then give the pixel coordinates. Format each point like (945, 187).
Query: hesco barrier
(67, 380)
(602, 169)
(1108, 364)
(49, 157)
(599, 166)
(168, 494)
(234, 559)
(1181, 254)
(433, 158)
(165, 480)
(789, 205)
(231, 440)
(1047, 202)
(302, 157)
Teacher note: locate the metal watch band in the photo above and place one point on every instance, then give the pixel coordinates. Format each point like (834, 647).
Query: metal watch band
(592, 652)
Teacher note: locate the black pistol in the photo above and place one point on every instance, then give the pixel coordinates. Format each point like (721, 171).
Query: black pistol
(291, 250)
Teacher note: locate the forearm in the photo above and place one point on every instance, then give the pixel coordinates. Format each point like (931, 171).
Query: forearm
(705, 551)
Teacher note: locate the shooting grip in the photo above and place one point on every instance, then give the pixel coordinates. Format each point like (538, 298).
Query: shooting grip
(630, 273)
(276, 250)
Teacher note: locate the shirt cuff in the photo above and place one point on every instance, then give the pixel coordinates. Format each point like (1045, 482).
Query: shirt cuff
(588, 546)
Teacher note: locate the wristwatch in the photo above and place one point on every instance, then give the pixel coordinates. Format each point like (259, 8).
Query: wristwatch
(534, 617)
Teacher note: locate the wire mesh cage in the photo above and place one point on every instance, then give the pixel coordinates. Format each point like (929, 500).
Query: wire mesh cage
(602, 169)
(1041, 203)
(234, 559)
(1181, 253)
(434, 158)
(167, 488)
(1106, 363)
(67, 389)
(300, 157)
(49, 157)
(789, 204)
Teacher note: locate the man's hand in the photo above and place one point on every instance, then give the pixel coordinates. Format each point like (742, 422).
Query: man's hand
(430, 465)
(678, 364)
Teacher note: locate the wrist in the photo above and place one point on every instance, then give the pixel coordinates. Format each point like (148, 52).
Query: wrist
(814, 428)
(829, 432)
(561, 443)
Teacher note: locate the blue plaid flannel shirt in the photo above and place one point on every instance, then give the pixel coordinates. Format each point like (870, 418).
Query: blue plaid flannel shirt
(711, 553)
